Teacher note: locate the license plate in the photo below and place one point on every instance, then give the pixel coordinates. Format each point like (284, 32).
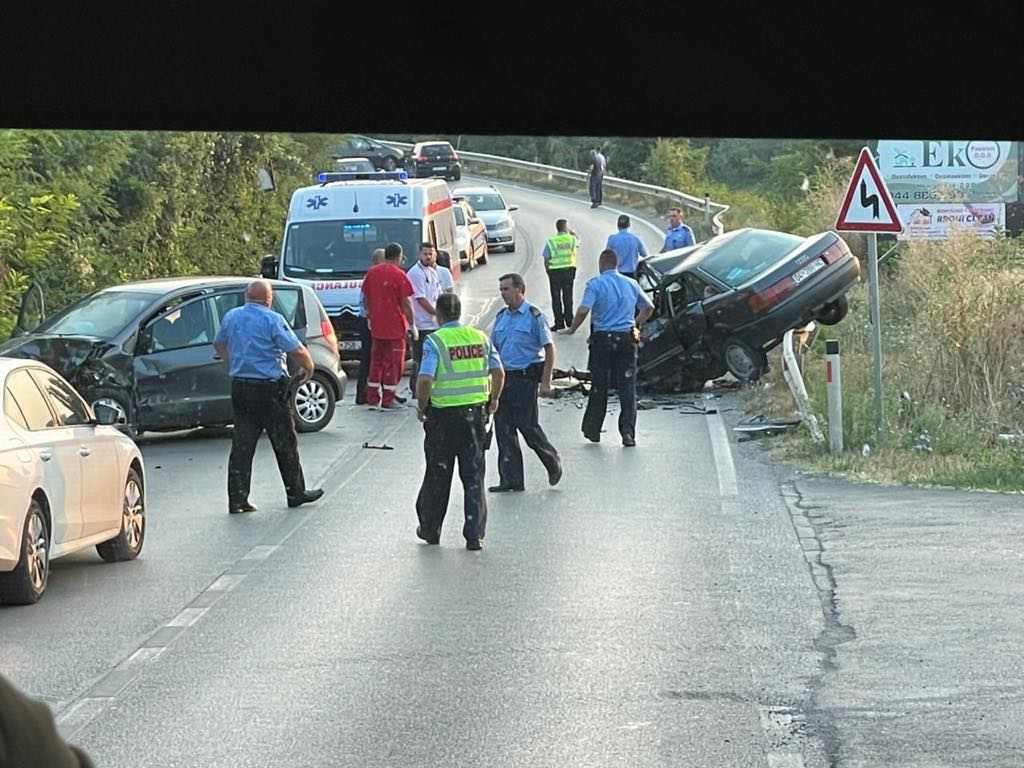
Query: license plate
(440, 168)
(810, 269)
(350, 345)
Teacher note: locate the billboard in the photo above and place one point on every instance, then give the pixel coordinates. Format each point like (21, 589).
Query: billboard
(935, 221)
(949, 171)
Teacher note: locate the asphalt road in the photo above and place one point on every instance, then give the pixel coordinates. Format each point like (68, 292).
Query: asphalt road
(662, 606)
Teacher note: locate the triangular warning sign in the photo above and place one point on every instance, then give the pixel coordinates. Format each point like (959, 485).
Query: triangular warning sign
(868, 205)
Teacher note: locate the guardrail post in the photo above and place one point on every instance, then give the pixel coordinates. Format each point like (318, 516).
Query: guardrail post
(834, 382)
(795, 380)
(707, 214)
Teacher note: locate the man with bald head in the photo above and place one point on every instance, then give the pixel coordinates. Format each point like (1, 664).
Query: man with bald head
(255, 339)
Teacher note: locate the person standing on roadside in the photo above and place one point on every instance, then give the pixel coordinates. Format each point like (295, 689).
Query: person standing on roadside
(598, 163)
(387, 296)
(560, 263)
(523, 340)
(254, 339)
(429, 281)
(620, 307)
(678, 235)
(458, 388)
(628, 248)
(365, 338)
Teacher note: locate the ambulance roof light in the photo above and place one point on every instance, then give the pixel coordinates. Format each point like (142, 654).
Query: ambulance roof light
(326, 177)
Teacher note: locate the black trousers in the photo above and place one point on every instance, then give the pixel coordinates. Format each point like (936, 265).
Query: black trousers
(596, 191)
(452, 434)
(612, 361)
(365, 349)
(258, 406)
(561, 283)
(517, 413)
(417, 358)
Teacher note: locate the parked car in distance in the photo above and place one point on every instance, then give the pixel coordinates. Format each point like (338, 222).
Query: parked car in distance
(496, 214)
(353, 165)
(145, 349)
(436, 158)
(383, 157)
(470, 234)
(721, 305)
(70, 480)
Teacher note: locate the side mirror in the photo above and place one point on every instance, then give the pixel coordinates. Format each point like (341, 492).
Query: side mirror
(513, 208)
(444, 259)
(106, 415)
(32, 311)
(474, 221)
(268, 266)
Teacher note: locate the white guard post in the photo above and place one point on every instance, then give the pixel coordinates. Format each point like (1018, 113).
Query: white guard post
(834, 380)
(795, 380)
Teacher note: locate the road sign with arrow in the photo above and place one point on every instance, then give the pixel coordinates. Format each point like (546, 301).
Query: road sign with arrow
(868, 206)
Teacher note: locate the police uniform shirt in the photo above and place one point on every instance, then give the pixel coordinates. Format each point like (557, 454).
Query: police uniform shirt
(520, 336)
(628, 248)
(678, 237)
(613, 299)
(257, 339)
(428, 366)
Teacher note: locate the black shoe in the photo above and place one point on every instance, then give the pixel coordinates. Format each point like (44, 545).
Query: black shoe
(593, 438)
(473, 544)
(246, 507)
(554, 477)
(305, 498)
(435, 539)
(505, 488)
(400, 399)
(628, 441)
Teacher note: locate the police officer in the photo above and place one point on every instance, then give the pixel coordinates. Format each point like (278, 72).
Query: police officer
(560, 262)
(460, 381)
(523, 340)
(255, 339)
(620, 307)
(678, 235)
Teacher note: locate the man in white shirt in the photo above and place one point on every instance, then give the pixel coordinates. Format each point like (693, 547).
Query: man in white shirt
(428, 282)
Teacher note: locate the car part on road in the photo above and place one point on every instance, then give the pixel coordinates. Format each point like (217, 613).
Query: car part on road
(381, 447)
(27, 582)
(128, 543)
(313, 402)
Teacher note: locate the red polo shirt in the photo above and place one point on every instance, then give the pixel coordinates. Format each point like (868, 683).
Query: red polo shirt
(384, 287)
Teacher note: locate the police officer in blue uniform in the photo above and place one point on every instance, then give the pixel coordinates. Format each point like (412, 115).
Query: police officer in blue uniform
(523, 340)
(255, 339)
(620, 307)
(678, 235)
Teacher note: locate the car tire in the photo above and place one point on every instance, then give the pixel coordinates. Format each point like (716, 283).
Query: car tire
(313, 404)
(389, 163)
(458, 175)
(510, 248)
(117, 400)
(128, 543)
(482, 258)
(27, 582)
(834, 311)
(744, 361)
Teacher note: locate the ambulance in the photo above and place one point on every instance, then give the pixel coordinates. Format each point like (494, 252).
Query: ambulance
(333, 227)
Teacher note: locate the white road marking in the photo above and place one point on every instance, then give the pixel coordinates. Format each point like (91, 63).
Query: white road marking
(226, 582)
(785, 760)
(261, 552)
(80, 714)
(187, 617)
(723, 458)
(142, 656)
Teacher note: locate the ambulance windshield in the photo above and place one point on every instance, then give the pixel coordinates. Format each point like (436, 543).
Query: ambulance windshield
(337, 249)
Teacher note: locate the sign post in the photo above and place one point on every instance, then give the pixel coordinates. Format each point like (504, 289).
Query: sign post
(868, 207)
(834, 382)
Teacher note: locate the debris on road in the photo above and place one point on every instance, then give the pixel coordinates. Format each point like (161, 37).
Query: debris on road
(382, 447)
(760, 426)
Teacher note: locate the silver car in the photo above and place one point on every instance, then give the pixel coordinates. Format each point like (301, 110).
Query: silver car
(494, 212)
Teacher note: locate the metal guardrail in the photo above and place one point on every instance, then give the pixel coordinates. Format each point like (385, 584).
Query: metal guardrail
(651, 197)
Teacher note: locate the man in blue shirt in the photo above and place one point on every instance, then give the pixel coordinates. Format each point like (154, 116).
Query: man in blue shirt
(522, 338)
(620, 307)
(678, 235)
(628, 248)
(255, 340)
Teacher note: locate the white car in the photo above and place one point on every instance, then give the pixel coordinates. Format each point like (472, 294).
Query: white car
(494, 212)
(67, 480)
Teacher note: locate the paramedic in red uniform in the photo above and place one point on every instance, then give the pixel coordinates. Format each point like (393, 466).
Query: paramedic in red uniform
(387, 295)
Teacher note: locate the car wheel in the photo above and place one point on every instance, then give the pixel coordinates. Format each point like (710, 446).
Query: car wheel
(458, 175)
(744, 362)
(313, 404)
(834, 311)
(481, 258)
(389, 163)
(510, 248)
(128, 542)
(117, 401)
(27, 582)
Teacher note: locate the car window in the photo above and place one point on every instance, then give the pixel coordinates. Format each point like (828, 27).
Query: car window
(359, 144)
(13, 410)
(287, 302)
(225, 302)
(31, 401)
(71, 410)
(487, 202)
(460, 217)
(102, 315)
(189, 325)
(735, 260)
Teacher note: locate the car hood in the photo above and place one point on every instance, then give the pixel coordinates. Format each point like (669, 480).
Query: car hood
(493, 217)
(65, 354)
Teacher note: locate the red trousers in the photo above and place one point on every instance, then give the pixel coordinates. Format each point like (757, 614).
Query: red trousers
(387, 359)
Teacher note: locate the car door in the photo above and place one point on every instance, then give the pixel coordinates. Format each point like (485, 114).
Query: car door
(97, 453)
(178, 379)
(56, 450)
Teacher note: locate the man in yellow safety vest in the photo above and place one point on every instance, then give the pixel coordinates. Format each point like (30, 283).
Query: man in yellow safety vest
(560, 262)
(460, 381)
